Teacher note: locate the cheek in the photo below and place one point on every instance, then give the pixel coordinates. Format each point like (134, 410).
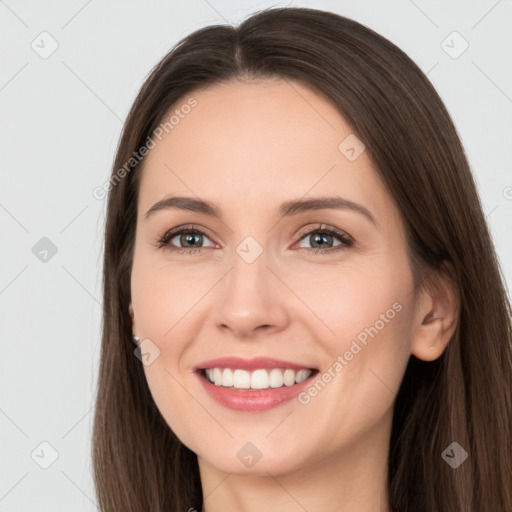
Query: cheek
(365, 310)
(369, 314)
(164, 298)
(360, 300)
(363, 313)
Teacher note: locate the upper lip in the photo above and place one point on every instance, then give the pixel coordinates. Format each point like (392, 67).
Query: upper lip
(250, 364)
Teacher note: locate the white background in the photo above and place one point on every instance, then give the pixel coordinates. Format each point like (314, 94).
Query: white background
(61, 118)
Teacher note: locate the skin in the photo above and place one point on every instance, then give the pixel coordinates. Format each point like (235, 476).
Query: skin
(248, 146)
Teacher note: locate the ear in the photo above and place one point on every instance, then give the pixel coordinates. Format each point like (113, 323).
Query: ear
(135, 338)
(437, 315)
(130, 311)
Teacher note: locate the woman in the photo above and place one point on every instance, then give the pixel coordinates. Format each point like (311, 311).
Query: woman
(370, 371)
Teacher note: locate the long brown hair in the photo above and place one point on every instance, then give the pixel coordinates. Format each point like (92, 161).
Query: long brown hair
(463, 396)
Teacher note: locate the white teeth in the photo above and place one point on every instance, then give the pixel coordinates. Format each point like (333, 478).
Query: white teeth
(217, 376)
(241, 379)
(227, 377)
(257, 379)
(302, 375)
(276, 378)
(289, 377)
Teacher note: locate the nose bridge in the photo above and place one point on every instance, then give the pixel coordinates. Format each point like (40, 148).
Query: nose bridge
(248, 296)
(246, 283)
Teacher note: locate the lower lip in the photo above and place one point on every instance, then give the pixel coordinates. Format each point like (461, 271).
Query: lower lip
(246, 400)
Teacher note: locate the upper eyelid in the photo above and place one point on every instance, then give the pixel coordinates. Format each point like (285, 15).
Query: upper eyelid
(171, 233)
(330, 229)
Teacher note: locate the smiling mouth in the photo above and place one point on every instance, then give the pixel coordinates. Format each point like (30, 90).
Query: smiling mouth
(256, 380)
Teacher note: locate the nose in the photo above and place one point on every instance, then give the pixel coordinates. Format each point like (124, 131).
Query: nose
(251, 300)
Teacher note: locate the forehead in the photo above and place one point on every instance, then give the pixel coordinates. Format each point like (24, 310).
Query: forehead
(279, 114)
(257, 140)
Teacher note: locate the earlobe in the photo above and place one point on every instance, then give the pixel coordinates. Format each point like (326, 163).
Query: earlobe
(430, 339)
(436, 319)
(135, 338)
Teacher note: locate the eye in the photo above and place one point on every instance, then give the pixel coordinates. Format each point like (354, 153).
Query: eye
(322, 237)
(190, 236)
(191, 239)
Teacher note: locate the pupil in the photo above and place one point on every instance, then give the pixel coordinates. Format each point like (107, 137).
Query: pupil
(321, 237)
(188, 238)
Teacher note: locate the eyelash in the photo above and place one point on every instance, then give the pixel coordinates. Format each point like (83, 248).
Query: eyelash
(345, 240)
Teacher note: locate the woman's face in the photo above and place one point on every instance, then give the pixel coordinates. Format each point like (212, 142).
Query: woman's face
(266, 280)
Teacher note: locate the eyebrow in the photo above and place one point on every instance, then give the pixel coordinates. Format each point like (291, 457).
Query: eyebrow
(287, 209)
